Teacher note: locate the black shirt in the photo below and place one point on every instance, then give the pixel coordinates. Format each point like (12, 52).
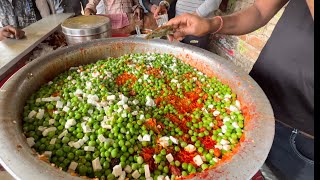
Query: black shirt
(285, 68)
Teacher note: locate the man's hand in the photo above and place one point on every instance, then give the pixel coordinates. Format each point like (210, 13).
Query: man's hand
(11, 32)
(153, 8)
(139, 13)
(88, 12)
(159, 11)
(188, 24)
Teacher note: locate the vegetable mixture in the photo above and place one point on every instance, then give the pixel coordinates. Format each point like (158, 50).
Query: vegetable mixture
(139, 116)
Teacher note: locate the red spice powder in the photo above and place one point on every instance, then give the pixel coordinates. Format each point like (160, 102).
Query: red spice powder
(185, 156)
(208, 142)
(123, 78)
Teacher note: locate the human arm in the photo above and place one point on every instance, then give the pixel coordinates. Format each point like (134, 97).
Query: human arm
(147, 4)
(91, 7)
(163, 8)
(137, 9)
(11, 32)
(208, 7)
(242, 22)
(310, 4)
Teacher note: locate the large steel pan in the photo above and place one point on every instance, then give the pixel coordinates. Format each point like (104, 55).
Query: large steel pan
(22, 163)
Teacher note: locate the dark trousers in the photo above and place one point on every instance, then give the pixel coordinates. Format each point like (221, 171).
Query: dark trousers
(201, 42)
(291, 155)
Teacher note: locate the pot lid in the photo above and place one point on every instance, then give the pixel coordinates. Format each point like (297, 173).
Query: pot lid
(86, 25)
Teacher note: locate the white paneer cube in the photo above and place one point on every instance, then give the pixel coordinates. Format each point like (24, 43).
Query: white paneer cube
(89, 148)
(233, 108)
(86, 118)
(198, 160)
(46, 131)
(71, 143)
(65, 132)
(216, 113)
(174, 140)
(111, 98)
(96, 165)
(224, 142)
(164, 141)
(160, 177)
(120, 103)
(41, 128)
(190, 148)
(32, 114)
(76, 145)
(124, 114)
(235, 125)
(136, 174)
(218, 146)
(53, 141)
(226, 147)
(47, 154)
(146, 137)
(141, 117)
(30, 141)
(210, 106)
(128, 169)
(167, 178)
(101, 138)
(40, 114)
(65, 109)
(134, 113)
(51, 121)
(150, 102)
(69, 123)
(85, 128)
(226, 119)
(85, 138)
(215, 159)
(125, 106)
(117, 170)
(107, 126)
(123, 98)
(169, 157)
(135, 102)
(146, 171)
(78, 92)
(73, 165)
(122, 176)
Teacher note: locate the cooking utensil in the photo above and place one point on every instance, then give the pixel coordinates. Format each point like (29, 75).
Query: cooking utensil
(138, 30)
(162, 20)
(21, 162)
(84, 28)
(160, 32)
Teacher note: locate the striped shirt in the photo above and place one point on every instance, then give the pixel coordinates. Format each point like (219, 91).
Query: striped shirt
(115, 6)
(204, 8)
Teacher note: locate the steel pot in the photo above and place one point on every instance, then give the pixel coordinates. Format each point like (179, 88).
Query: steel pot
(20, 161)
(85, 28)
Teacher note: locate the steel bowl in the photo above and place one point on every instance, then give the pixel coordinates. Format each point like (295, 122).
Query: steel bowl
(20, 161)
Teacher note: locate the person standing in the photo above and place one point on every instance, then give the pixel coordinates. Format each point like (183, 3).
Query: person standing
(202, 8)
(284, 70)
(18, 13)
(116, 7)
(152, 6)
